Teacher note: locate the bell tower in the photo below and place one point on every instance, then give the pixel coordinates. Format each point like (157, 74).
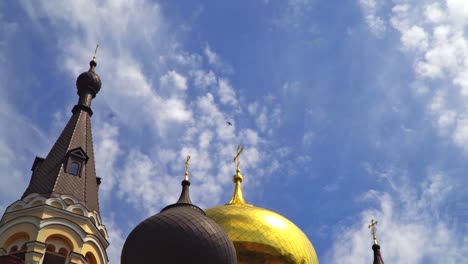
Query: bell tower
(57, 219)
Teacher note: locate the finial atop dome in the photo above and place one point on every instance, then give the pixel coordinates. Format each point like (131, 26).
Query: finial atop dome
(92, 63)
(185, 195)
(186, 168)
(95, 52)
(237, 197)
(88, 83)
(372, 225)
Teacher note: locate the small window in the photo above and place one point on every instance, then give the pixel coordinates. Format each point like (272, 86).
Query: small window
(75, 168)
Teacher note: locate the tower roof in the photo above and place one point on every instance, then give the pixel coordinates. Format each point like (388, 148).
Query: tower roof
(69, 168)
(377, 256)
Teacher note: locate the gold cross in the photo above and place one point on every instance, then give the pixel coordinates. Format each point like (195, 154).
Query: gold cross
(237, 157)
(186, 167)
(372, 225)
(95, 52)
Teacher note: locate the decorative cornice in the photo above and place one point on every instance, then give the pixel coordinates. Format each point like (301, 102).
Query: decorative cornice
(80, 107)
(68, 206)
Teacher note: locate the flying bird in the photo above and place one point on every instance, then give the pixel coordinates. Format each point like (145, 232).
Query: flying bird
(229, 123)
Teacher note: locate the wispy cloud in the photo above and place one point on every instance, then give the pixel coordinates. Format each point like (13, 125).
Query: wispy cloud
(371, 9)
(433, 36)
(226, 93)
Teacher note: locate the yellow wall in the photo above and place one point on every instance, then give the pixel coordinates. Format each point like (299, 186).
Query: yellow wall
(79, 238)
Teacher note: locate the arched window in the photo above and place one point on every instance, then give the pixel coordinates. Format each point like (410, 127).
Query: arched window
(90, 258)
(53, 257)
(75, 168)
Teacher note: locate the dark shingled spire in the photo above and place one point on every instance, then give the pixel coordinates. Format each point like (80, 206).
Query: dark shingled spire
(377, 257)
(185, 194)
(69, 167)
(184, 199)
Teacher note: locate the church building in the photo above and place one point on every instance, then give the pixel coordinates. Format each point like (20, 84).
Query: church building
(57, 219)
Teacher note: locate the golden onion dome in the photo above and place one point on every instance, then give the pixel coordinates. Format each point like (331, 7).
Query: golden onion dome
(259, 235)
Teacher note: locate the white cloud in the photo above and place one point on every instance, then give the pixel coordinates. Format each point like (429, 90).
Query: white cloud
(203, 79)
(411, 229)
(212, 57)
(226, 93)
(446, 119)
(214, 60)
(457, 11)
(433, 13)
(250, 136)
(414, 38)
(370, 9)
(266, 113)
(174, 80)
(433, 35)
(460, 135)
(106, 151)
(116, 239)
(205, 139)
(138, 171)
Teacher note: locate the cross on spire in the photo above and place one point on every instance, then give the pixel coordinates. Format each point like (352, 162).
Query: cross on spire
(186, 167)
(95, 52)
(372, 225)
(236, 159)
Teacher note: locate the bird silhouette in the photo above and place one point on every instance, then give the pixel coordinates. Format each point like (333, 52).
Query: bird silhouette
(229, 123)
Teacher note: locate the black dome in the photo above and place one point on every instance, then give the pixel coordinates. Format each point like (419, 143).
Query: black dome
(89, 81)
(180, 234)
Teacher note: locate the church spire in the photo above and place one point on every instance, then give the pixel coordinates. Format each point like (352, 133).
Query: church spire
(69, 167)
(375, 247)
(185, 194)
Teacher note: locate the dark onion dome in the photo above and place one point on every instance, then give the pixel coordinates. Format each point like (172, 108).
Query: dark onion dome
(89, 82)
(181, 233)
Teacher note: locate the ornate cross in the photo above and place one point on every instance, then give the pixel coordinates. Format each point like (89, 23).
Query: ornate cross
(372, 225)
(237, 157)
(95, 52)
(186, 167)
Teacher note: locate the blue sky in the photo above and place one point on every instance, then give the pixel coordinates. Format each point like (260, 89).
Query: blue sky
(348, 111)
